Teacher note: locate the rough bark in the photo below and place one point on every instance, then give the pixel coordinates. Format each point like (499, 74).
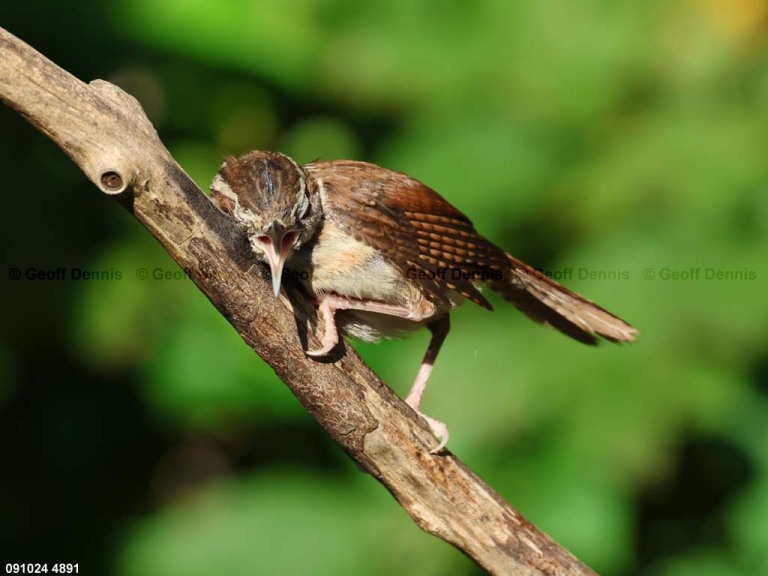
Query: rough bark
(106, 133)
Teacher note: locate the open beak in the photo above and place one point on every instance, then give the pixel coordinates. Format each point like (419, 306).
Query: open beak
(277, 245)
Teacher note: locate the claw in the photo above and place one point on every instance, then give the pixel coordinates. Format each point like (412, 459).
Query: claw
(439, 430)
(324, 351)
(439, 331)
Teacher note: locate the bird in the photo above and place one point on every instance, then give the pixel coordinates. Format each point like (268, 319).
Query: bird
(382, 255)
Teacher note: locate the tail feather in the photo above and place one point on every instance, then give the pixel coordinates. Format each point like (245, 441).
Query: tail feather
(544, 300)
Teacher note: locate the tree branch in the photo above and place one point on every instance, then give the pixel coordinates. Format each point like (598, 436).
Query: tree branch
(106, 133)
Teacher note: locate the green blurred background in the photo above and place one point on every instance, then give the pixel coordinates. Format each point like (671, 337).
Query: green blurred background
(624, 141)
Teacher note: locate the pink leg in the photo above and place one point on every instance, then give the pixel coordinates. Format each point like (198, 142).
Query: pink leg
(328, 304)
(439, 331)
(331, 335)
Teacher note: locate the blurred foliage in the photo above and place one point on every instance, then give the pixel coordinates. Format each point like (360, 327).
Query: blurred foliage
(622, 142)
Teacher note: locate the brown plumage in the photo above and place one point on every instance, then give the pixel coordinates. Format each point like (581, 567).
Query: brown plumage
(417, 229)
(385, 254)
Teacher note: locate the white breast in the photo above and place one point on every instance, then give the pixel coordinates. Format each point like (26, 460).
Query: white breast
(340, 265)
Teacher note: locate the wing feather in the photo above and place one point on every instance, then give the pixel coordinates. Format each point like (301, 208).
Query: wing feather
(388, 210)
(421, 233)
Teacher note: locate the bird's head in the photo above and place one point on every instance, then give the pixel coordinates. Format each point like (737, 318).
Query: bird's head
(267, 195)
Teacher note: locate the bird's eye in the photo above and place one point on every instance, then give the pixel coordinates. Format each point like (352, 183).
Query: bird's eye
(303, 208)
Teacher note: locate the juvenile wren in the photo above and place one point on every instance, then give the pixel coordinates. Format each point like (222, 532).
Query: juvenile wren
(383, 255)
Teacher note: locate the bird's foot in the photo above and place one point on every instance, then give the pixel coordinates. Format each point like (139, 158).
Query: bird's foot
(439, 430)
(327, 306)
(439, 331)
(327, 344)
